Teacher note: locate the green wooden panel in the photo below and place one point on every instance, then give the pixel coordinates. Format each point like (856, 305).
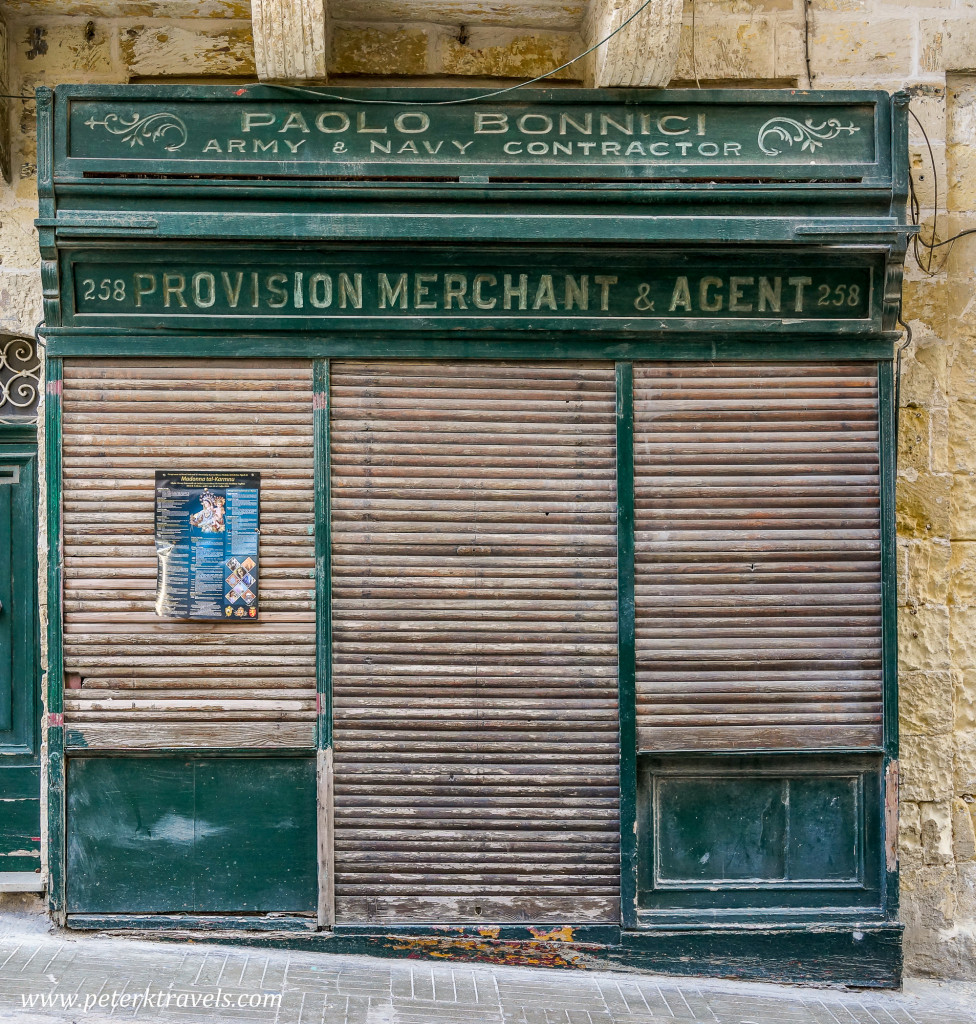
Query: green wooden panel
(191, 834)
(607, 343)
(254, 834)
(824, 825)
(720, 830)
(771, 830)
(20, 818)
(411, 289)
(739, 834)
(20, 815)
(130, 835)
(18, 589)
(7, 676)
(429, 134)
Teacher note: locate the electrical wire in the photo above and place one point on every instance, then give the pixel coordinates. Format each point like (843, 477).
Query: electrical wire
(901, 348)
(303, 90)
(694, 55)
(16, 96)
(915, 207)
(806, 42)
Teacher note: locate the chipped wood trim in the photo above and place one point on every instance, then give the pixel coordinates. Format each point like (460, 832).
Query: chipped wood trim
(643, 54)
(290, 39)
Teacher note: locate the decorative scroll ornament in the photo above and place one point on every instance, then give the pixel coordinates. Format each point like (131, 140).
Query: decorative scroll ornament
(20, 380)
(137, 131)
(813, 136)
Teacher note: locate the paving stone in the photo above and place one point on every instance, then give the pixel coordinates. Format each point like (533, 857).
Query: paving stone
(307, 988)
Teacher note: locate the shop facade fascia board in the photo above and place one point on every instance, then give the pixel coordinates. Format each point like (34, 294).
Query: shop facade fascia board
(110, 206)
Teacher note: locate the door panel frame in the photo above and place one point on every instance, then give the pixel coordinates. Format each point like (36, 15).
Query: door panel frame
(20, 757)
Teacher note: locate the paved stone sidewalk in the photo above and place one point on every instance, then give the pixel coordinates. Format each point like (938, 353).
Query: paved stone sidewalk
(272, 987)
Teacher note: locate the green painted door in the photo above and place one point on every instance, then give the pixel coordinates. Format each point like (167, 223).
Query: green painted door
(20, 821)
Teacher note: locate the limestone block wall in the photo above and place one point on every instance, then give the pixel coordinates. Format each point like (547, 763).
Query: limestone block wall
(927, 46)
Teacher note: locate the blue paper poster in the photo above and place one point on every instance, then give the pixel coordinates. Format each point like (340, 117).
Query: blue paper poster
(207, 527)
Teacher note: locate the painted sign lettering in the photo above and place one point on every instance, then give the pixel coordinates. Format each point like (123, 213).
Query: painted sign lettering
(320, 288)
(532, 133)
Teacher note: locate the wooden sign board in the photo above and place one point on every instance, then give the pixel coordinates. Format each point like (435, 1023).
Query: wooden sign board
(447, 134)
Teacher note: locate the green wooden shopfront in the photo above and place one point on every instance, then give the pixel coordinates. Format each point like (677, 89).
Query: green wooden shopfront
(573, 414)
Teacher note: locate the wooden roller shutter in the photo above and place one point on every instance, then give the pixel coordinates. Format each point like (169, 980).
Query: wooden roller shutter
(154, 682)
(474, 626)
(758, 575)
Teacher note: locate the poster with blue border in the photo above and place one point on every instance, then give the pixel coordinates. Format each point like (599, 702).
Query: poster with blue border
(207, 526)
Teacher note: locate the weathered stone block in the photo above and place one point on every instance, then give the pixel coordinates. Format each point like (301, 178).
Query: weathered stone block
(52, 52)
(962, 368)
(962, 436)
(502, 53)
(5, 161)
(913, 439)
(171, 49)
(840, 6)
(939, 458)
(175, 9)
(962, 573)
(727, 49)
(380, 50)
(863, 46)
(964, 722)
(963, 498)
(931, 40)
(928, 104)
(789, 49)
(926, 768)
(963, 832)
(924, 299)
(936, 834)
(959, 182)
(18, 239)
(962, 636)
(925, 370)
(964, 768)
(20, 301)
(931, 903)
(925, 703)
(922, 505)
(741, 6)
(930, 176)
(923, 639)
(926, 572)
(545, 14)
(959, 45)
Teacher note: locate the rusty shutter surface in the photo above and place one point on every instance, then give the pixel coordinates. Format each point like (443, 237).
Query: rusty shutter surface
(474, 618)
(758, 575)
(155, 682)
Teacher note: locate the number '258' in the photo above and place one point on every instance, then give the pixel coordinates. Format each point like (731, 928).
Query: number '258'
(842, 295)
(105, 289)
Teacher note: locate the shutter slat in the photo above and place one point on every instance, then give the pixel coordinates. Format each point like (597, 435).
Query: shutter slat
(474, 642)
(757, 534)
